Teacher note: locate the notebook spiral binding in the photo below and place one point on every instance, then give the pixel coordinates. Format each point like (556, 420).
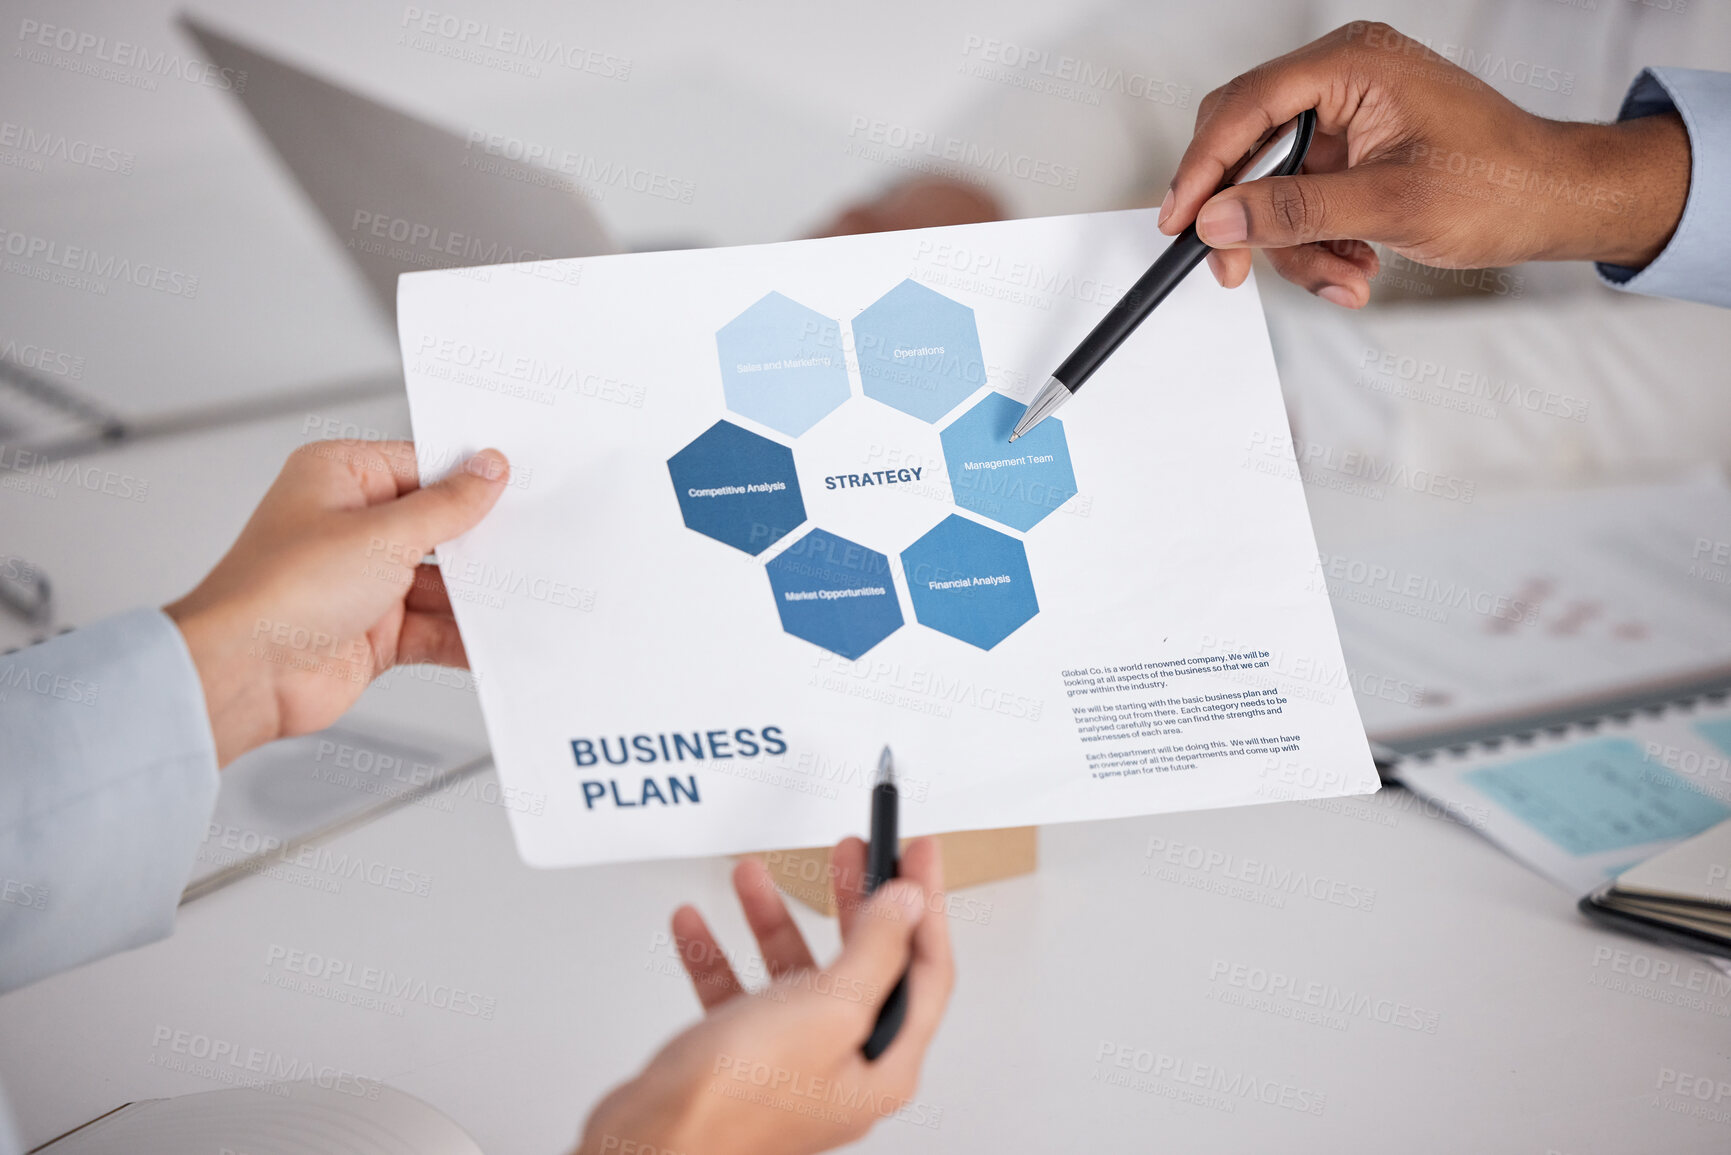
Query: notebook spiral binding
(1545, 727)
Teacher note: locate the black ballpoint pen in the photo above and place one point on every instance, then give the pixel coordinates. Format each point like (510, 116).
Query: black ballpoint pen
(1280, 155)
(883, 860)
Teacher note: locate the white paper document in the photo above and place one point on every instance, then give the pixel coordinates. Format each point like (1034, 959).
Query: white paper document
(1549, 602)
(764, 520)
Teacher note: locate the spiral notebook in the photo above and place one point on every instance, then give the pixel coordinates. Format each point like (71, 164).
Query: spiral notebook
(1534, 612)
(1554, 669)
(1582, 803)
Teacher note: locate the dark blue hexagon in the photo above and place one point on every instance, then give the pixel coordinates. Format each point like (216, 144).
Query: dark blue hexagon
(737, 487)
(970, 582)
(781, 364)
(835, 593)
(919, 351)
(1015, 485)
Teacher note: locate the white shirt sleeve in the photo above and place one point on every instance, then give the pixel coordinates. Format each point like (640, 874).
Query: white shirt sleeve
(108, 779)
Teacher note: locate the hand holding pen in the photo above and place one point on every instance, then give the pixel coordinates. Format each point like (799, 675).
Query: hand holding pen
(1417, 154)
(709, 1089)
(1278, 154)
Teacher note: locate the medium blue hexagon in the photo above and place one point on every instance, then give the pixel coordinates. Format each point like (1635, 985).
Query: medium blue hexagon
(781, 364)
(970, 581)
(919, 351)
(835, 593)
(737, 487)
(1015, 485)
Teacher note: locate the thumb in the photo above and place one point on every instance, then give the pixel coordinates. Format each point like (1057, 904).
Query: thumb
(877, 951)
(422, 518)
(1278, 212)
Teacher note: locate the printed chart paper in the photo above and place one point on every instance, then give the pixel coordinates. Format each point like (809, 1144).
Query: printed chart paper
(764, 520)
(1583, 806)
(1542, 603)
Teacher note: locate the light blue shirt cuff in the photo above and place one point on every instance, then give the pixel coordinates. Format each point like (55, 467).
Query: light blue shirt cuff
(108, 779)
(1696, 264)
(10, 1144)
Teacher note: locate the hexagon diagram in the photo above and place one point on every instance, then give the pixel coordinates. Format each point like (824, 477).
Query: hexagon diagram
(970, 582)
(737, 487)
(835, 593)
(1014, 485)
(919, 351)
(781, 364)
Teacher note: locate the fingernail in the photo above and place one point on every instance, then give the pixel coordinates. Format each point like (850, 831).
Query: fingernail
(1166, 207)
(906, 895)
(1222, 223)
(1337, 295)
(489, 463)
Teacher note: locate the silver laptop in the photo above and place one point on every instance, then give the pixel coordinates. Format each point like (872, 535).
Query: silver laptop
(399, 193)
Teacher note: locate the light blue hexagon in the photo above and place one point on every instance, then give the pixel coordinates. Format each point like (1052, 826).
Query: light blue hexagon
(919, 351)
(1016, 485)
(781, 364)
(970, 581)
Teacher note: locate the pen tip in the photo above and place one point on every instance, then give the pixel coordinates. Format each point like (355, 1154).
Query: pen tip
(1013, 437)
(886, 767)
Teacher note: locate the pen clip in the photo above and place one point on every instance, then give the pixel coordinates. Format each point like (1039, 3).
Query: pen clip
(1281, 154)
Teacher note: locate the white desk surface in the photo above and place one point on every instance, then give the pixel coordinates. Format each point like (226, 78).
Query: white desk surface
(1543, 1042)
